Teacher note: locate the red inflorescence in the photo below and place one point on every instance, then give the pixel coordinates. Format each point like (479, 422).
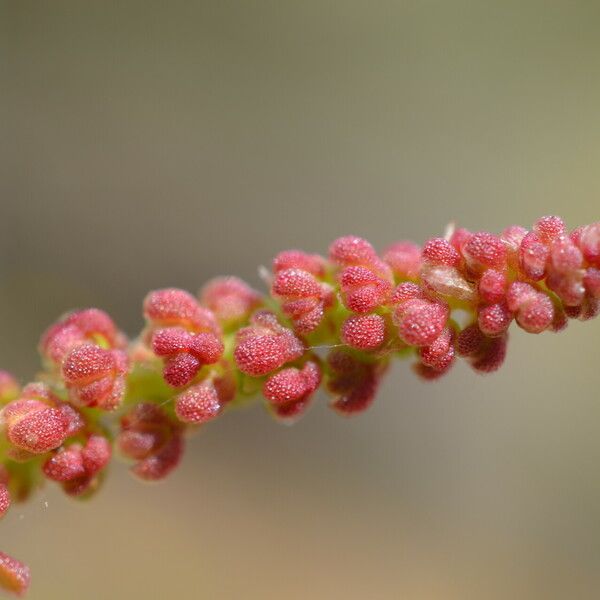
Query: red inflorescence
(456, 296)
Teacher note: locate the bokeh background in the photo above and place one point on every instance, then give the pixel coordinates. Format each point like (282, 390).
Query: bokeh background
(147, 144)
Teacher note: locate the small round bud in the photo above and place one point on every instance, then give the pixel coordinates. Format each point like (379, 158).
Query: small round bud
(296, 259)
(591, 281)
(351, 250)
(34, 426)
(537, 314)
(470, 341)
(484, 251)
(404, 258)
(549, 228)
(230, 299)
(589, 242)
(14, 575)
(292, 385)
(198, 404)
(363, 290)
(494, 319)
(533, 255)
(364, 332)
(439, 251)
(66, 464)
(420, 322)
(492, 286)
(173, 307)
(96, 454)
(265, 346)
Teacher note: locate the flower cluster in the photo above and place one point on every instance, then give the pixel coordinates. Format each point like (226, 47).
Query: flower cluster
(330, 322)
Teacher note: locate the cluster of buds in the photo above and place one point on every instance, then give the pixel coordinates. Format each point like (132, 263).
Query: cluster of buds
(332, 323)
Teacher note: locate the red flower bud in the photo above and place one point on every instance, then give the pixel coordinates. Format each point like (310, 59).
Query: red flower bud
(265, 345)
(404, 258)
(14, 575)
(199, 404)
(95, 376)
(420, 322)
(364, 332)
(296, 259)
(173, 307)
(484, 251)
(439, 251)
(230, 299)
(185, 353)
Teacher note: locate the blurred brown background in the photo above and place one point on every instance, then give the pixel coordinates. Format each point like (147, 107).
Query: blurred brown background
(147, 144)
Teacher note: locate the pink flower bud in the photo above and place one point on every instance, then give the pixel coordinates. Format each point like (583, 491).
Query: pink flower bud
(265, 345)
(96, 454)
(565, 256)
(292, 385)
(484, 251)
(185, 353)
(364, 332)
(363, 290)
(149, 436)
(491, 356)
(230, 299)
(492, 286)
(440, 354)
(569, 287)
(549, 228)
(536, 315)
(518, 294)
(589, 242)
(352, 383)
(296, 259)
(352, 251)
(591, 281)
(420, 322)
(173, 307)
(494, 319)
(33, 426)
(303, 298)
(66, 464)
(198, 404)
(439, 251)
(158, 466)
(534, 310)
(533, 255)
(95, 376)
(407, 291)
(14, 575)
(89, 325)
(404, 258)
(470, 341)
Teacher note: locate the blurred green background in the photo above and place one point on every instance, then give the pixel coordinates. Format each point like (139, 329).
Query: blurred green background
(148, 144)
